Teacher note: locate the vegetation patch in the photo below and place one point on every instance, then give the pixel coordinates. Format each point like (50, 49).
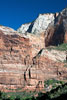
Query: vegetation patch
(62, 47)
(52, 84)
(59, 93)
(65, 65)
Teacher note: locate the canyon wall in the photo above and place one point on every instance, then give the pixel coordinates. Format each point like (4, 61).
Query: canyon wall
(25, 60)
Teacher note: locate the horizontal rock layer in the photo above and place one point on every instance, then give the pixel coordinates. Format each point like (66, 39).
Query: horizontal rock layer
(26, 64)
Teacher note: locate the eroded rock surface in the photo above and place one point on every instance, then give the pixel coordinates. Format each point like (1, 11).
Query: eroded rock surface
(39, 25)
(57, 33)
(25, 62)
(54, 27)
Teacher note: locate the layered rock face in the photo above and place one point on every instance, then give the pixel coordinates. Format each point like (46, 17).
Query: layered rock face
(16, 59)
(13, 52)
(25, 62)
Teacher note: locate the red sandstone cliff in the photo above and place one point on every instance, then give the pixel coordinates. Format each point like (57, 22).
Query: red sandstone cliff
(25, 62)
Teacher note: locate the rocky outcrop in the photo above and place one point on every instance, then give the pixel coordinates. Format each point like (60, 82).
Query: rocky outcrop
(13, 50)
(57, 33)
(25, 62)
(39, 25)
(24, 28)
(53, 26)
(41, 70)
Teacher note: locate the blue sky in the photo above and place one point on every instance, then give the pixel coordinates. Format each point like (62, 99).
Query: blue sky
(13, 13)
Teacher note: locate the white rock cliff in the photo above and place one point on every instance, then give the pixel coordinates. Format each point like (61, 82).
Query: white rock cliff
(39, 25)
